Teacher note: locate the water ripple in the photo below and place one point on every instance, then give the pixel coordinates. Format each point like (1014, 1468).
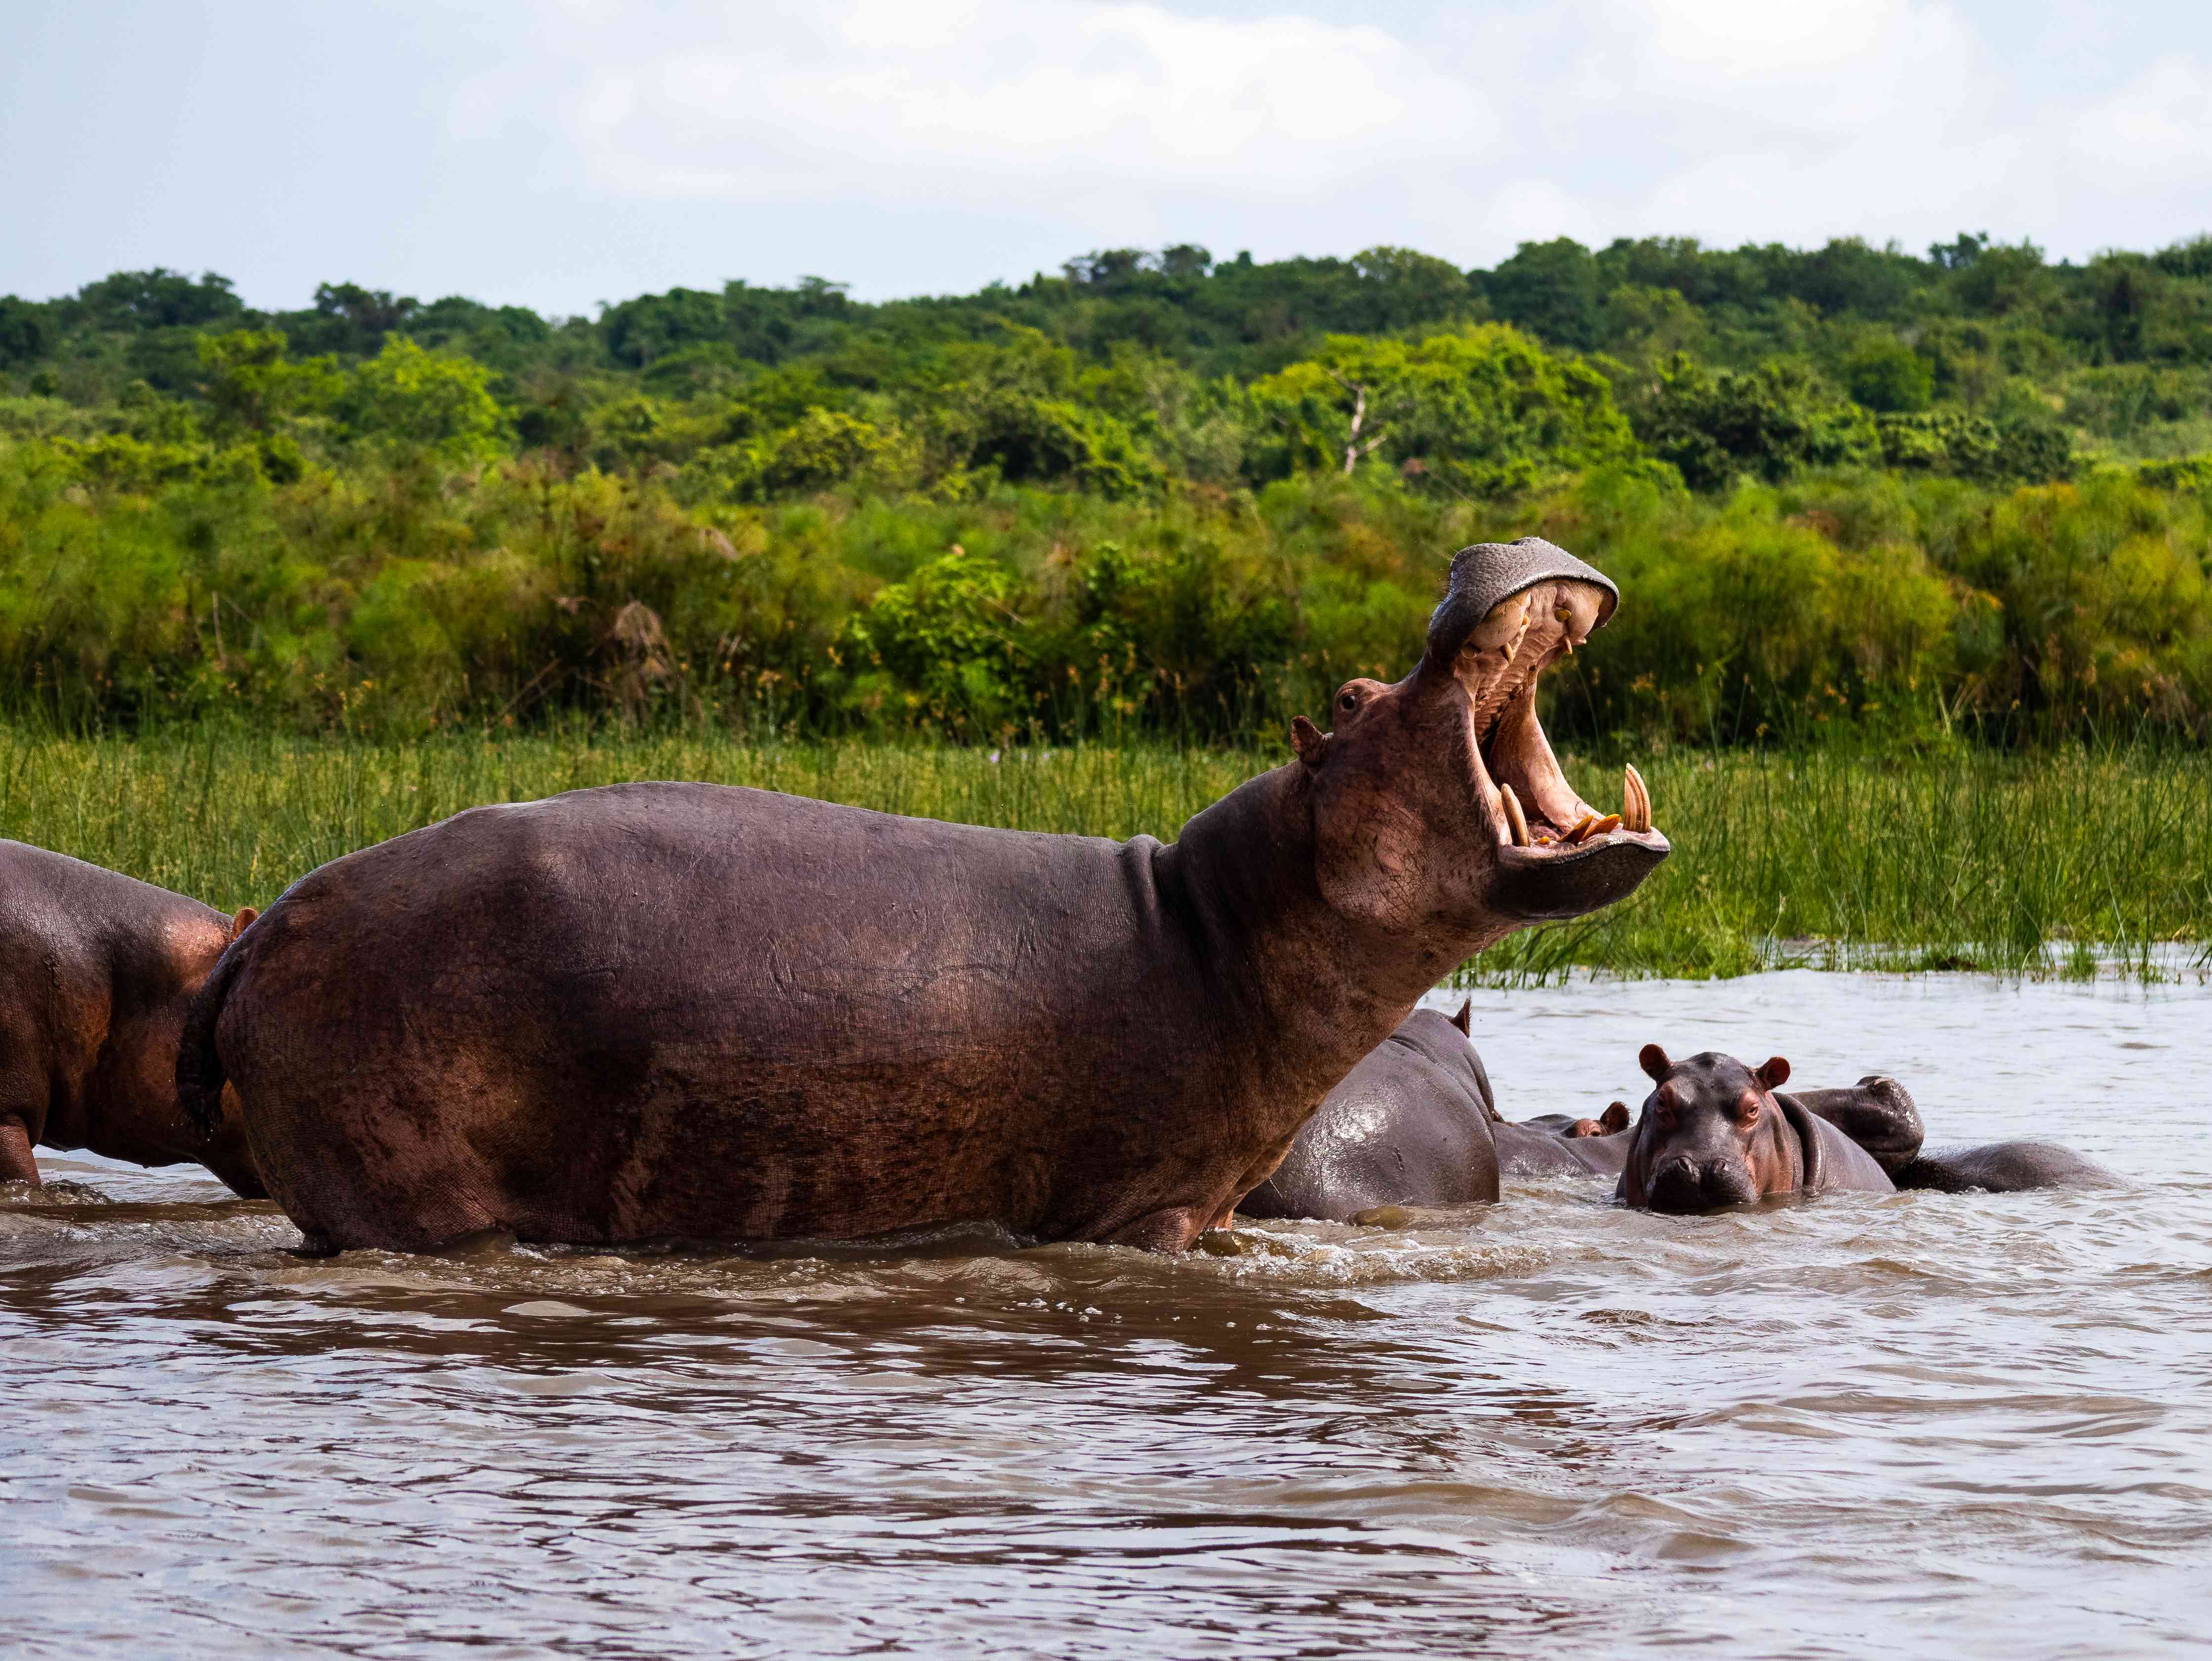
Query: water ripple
(1920, 1424)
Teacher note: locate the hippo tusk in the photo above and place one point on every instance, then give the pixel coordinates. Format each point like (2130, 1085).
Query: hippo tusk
(1516, 821)
(1635, 800)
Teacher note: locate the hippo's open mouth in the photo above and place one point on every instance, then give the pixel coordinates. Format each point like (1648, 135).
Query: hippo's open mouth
(1541, 822)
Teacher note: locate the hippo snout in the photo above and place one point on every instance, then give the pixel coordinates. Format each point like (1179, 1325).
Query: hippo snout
(1682, 1185)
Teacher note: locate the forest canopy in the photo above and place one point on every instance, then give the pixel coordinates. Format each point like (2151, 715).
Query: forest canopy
(1912, 489)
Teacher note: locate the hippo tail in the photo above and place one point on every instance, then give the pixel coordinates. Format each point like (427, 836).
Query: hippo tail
(200, 1073)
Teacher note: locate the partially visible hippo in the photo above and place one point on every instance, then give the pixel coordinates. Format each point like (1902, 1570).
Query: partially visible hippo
(1412, 1124)
(96, 970)
(1714, 1133)
(1881, 1116)
(2006, 1168)
(681, 1010)
(1559, 1145)
(1416, 1124)
(1877, 1113)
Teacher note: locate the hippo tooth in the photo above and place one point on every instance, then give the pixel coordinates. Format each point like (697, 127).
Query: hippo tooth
(1515, 819)
(1580, 828)
(1597, 827)
(1635, 800)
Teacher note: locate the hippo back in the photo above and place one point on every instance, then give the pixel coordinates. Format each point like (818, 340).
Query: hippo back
(2005, 1168)
(1410, 1125)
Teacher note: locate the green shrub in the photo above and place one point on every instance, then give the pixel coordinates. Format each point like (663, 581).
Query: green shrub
(1767, 423)
(1889, 378)
(141, 580)
(1484, 411)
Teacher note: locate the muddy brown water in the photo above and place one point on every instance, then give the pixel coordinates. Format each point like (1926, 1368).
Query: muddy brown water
(1911, 1425)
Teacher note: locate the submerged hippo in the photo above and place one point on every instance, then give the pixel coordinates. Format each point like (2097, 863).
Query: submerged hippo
(657, 1010)
(1878, 1115)
(1611, 1122)
(1715, 1133)
(1559, 1145)
(2005, 1168)
(98, 968)
(1412, 1124)
(1415, 1123)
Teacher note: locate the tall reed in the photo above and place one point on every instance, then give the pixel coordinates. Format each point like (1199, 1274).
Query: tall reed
(2021, 865)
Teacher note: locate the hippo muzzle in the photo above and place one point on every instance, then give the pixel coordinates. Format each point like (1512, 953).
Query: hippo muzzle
(1683, 1186)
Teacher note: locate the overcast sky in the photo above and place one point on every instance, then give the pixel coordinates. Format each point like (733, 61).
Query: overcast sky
(561, 154)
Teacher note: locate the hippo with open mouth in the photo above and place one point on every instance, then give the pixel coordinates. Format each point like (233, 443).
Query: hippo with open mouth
(684, 1010)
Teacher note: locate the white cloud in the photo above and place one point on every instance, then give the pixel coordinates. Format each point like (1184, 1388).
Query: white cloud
(1737, 37)
(2160, 123)
(1109, 123)
(1102, 123)
(561, 151)
(967, 99)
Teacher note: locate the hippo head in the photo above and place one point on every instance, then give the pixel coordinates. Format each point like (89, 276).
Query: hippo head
(1437, 805)
(1615, 1121)
(1711, 1135)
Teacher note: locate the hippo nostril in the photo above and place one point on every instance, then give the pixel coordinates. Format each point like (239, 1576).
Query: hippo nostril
(1676, 1186)
(1726, 1182)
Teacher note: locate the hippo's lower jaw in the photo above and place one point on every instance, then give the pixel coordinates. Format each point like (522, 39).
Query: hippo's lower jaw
(1537, 884)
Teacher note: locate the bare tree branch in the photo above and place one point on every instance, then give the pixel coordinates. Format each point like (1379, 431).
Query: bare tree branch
(1354, 451)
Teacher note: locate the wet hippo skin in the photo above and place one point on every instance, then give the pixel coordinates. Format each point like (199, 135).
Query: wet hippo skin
(682, 1010)
(1552, 1147)
(1416, 1124)
(2006, 1168)
(1877, 1113)
(1410, 1125)
(98, 968)
(1880, 1116)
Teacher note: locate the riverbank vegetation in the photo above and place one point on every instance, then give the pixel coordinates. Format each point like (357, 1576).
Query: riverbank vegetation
(1957, 497)
(1916, 646)
(2066, 862)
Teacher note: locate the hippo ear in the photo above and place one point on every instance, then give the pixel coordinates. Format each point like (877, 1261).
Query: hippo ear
(1465, 1020)
(1775, 1074)
(1309, 740)
(1653, 1059)
(243, 921)
(1615, 1118)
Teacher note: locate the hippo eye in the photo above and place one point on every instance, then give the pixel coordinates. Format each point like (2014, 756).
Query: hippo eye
(1348, 702)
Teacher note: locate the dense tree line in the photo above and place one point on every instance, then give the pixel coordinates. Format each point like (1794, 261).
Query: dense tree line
(2118, 349)
(1927, 493)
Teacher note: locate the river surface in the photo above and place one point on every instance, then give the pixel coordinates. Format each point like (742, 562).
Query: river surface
(1917, 1425)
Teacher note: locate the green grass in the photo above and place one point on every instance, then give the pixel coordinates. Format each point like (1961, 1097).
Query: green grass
(2039, 866)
